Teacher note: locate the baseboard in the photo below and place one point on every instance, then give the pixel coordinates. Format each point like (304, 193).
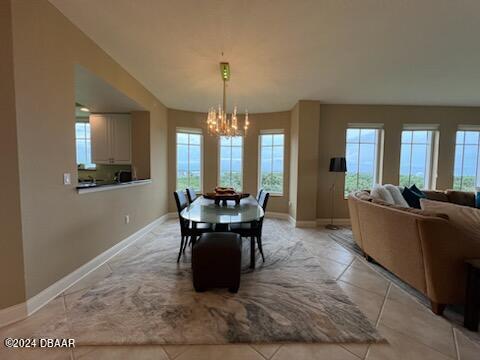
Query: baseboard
(277, 215)
(339, 221)
(20, 311)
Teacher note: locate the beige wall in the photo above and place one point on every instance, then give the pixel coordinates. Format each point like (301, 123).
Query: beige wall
(186, 119)
(63, 230)
(12, 283)
(141, 143)
(333, 125)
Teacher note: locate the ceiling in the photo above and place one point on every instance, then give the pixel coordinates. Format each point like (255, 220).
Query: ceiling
(99, 96)
(336, 51)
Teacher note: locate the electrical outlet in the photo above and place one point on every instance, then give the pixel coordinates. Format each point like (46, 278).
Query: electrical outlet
(67, 179)
(127, 219)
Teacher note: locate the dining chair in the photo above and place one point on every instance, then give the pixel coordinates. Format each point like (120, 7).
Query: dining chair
(187, 229)
(191, 195)
(259, 194)
(253, 229)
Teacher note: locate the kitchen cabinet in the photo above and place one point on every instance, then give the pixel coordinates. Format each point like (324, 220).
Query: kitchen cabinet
(111, 136)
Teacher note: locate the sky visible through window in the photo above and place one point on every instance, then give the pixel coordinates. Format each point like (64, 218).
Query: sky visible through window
(231, 164)
(271, 162)
(361, 156)
(83, 145)
(415, 158)
(189, 163)
(466, 160)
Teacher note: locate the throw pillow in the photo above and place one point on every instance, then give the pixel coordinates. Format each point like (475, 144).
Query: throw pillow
(379, 192)
(417, 191)
(412, 198)
(398, 199)
(465, 218)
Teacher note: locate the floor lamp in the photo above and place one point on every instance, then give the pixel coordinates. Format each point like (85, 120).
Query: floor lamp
(337, 164)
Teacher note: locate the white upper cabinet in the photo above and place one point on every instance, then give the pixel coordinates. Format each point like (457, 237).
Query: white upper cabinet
(111, 136)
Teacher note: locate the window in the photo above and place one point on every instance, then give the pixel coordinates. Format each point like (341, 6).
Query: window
(231, 161)
(417, 158)
(83, 145)
(466, 170)
(271, 162)
(363, 158)
(189, 160)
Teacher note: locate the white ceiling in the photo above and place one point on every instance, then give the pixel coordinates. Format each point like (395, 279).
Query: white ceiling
(337, 51)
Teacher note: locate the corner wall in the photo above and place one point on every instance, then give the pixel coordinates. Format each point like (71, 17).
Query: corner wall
(12, 282)
(63, 230)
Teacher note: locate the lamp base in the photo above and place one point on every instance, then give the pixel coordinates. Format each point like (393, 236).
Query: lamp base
(332, 227)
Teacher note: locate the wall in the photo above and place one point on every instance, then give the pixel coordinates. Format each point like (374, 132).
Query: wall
(11, 249)
(333, 125)
(46, 48)
(186, 119)
(141, 144)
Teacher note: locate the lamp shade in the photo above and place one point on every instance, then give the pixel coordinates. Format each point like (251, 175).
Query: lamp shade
(338, 164)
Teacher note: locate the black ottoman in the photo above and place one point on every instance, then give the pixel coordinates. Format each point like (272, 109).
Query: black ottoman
(217, 261)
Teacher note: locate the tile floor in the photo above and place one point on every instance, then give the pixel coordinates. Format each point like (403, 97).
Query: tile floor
(412, 331)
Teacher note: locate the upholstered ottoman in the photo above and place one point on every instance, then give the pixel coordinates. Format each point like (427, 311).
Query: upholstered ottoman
(216, 261)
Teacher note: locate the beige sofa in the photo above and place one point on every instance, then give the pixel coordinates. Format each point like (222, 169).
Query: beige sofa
(423, 249)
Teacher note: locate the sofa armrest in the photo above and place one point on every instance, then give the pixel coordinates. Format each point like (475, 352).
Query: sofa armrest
(445, 250)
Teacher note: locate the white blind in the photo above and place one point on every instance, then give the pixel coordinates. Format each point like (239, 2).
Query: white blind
(189, 130)
(424, 127)
(365, 126)
(469, 127)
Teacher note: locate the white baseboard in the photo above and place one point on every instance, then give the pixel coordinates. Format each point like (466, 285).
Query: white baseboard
(20, 311)
(339, 221)
(277, 215)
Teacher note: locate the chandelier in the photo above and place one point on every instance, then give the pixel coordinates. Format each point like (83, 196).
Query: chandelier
(218, 121)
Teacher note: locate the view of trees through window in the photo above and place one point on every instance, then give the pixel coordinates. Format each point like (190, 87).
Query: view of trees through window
(415, 158)
(271, 162)
(189, 163)
(362, 159)
(83, 145)
(465, 175)
(231, 162)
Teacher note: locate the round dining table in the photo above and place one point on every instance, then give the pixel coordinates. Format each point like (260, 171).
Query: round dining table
(206, 211)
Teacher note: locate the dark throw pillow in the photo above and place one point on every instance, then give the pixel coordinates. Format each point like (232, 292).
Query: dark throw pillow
(412, 198)
(417, 191)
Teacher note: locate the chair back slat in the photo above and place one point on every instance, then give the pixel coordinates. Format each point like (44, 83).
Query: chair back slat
(259, 194)
(182, 203)
(191, 194)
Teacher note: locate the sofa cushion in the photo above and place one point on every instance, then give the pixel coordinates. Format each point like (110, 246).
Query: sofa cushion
(412, 210)
(379, 192)
(363, 195)
(436, 195)
(461, 197)
(397, 196)
(412, 197)
(464, 218)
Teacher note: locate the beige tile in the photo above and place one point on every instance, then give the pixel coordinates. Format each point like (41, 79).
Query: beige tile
(401, 347)
(358, 349)
(368, 302)
(362, 276)
(313, 352)
(339, 255)
(36, 353)
(174, 350)
(49, 321)
(467, 349)
(267, 350)
(95, 276)
(220, 352)
(418, 322)
(120, 258)
(332, 268)
(138, 352)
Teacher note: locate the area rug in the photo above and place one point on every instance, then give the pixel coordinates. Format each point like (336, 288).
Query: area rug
(149, 299)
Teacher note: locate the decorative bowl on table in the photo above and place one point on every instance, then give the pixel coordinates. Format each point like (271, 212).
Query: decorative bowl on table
(223, 194)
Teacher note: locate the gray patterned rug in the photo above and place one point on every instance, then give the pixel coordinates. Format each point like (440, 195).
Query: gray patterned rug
(149, 299)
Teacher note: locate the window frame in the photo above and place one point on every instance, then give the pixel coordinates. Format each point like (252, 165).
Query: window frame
(379, 147)
(219, 145)
(189, 131)
(259, 170)
(464, 129)
(84, 122)
(431, 165)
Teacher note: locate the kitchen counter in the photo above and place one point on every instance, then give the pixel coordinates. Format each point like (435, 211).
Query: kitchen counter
(95, 187)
